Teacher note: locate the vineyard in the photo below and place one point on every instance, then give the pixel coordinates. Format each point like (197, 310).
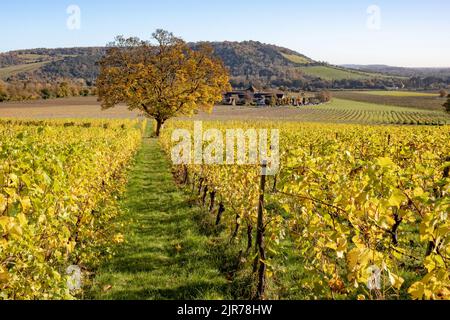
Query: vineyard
(60, 181)
(355, 212)
(213, 171)
(362, 211)
(346, 111)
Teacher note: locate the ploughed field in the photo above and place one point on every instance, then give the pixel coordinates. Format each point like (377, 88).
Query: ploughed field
(78, 107)
(418, 100)
(336, 111)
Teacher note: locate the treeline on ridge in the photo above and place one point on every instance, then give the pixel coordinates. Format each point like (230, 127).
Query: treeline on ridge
(249, 63)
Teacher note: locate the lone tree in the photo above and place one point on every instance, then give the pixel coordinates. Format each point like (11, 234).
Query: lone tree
(447, 104)
(443, 93)
(163, 79)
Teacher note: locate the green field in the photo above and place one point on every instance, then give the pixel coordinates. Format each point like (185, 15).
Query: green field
(296, 58)
(334, 73)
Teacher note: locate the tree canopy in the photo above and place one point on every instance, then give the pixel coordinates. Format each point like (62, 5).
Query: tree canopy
(163, 79)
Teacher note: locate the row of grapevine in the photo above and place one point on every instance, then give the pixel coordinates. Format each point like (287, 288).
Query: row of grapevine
(365, 207)
(59, 184)
(343, 111)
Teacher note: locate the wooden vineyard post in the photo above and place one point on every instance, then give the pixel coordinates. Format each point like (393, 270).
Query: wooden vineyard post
(260, 237)
(220, 213)
(212, 196)
(205, 193)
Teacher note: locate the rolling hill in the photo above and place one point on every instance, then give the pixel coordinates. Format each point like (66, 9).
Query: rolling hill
(401, 71)
(249, 62)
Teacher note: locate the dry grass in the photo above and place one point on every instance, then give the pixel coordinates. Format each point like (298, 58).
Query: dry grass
(28, 67)
(296, 58)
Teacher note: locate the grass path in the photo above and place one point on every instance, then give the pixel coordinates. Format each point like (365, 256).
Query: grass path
(165, 255)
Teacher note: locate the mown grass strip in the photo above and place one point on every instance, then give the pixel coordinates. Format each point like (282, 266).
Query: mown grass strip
(165, 255)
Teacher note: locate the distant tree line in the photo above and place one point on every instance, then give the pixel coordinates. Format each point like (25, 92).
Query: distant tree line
(34, 90)
(250, 62)
(347, 84)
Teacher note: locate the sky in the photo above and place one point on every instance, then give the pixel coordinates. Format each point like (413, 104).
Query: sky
(410, 33)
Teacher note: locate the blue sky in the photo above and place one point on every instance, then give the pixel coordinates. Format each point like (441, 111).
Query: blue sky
(408, 33)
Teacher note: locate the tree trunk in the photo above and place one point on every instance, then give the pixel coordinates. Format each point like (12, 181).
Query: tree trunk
(213, 199)
(200, 186)
(220, 213)
(159, 125)
(205, 193)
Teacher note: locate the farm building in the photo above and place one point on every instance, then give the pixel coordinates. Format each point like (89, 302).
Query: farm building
(253, 96)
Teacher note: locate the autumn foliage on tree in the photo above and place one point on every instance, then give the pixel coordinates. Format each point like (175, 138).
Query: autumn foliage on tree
(163, 78)
(20, 90)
